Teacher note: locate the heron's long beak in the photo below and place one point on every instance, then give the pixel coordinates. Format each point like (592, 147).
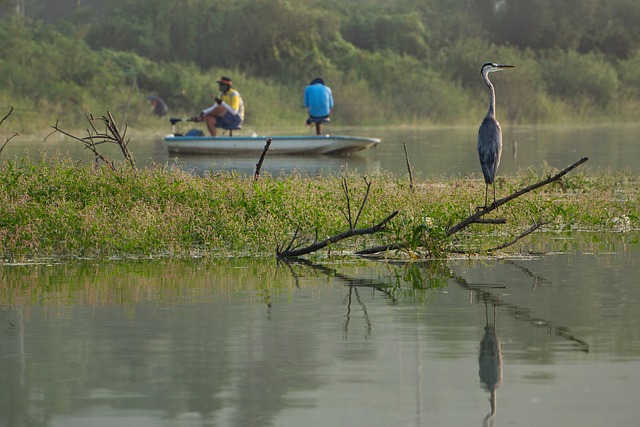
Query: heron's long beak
(505, 66)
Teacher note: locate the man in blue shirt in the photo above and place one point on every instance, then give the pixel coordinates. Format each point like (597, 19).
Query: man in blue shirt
(319, 100)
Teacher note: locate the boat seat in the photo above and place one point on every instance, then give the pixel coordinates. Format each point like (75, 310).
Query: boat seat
(318, 121)
(312, 120)
(231, 129)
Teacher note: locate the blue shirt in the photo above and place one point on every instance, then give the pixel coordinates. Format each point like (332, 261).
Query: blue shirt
(318, 99)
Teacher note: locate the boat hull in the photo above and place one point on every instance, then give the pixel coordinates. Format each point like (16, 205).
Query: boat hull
(284, 145)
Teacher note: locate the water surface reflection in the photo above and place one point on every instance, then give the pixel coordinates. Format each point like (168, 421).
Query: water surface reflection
(258, 343)
(490, 363)
(434, 152)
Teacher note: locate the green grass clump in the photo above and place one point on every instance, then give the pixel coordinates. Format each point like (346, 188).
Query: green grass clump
(56, 207)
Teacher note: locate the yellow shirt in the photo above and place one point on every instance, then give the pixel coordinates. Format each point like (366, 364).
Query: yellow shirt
(234, 103)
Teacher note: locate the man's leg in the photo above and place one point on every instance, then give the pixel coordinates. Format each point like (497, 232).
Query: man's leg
(210, 119)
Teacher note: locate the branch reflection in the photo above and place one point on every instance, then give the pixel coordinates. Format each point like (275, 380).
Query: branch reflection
(353, 290)
(521, 313)
(404, 280)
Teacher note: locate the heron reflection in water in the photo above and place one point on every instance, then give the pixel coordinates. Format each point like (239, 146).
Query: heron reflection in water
(490, 362)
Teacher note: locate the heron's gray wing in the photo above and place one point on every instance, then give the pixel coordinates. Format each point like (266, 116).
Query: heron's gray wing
(489, 148)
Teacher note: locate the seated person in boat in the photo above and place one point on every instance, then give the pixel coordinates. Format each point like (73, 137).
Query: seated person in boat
(319, 100)
(228, 110)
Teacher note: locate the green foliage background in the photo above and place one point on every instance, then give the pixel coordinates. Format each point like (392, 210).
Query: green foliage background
(387, 61)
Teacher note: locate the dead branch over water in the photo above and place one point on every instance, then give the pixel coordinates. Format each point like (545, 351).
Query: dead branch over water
(293, 251)
(485, 210)
(409, 168)
(256, 175)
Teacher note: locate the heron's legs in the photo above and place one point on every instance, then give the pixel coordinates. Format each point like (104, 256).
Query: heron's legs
(486, 194)
(494, 192)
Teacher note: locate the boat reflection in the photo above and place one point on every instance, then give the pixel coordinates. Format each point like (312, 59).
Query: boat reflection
(276, 165)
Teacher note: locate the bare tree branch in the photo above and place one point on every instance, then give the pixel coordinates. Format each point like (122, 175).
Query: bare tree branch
(525, 233)
(121, 140)
(293, 239)
(409, 169)
(382, 248)
(89, 145)
(334, 239)
(347, 214)
(485, 210)
(111, 134)
(7, 141)
(262, 157)
(12, 136)
(364, 201)
(7, 115)
(491, 221)
(477, 217)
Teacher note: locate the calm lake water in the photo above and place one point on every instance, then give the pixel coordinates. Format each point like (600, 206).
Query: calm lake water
(433, 152)
(523, 341)
(548, 340)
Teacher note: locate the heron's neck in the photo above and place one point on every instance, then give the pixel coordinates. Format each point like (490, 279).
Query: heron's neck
(492, 97)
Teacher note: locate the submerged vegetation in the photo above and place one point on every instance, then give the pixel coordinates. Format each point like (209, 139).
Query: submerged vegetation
(57, 207)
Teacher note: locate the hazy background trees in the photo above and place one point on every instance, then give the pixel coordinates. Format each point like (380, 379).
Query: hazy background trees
(388, 61)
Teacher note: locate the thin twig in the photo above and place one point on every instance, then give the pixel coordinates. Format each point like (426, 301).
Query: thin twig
(293, 239)
(347, 214)
(7, 141)
(7, 115)
(409, 169)
(94, 138)
(121, 140)
(525, 233)
(88, 145)
(364, 201)
(262, 156)
(12, 136)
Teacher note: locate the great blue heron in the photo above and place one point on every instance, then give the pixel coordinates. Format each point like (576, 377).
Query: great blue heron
(490, 134)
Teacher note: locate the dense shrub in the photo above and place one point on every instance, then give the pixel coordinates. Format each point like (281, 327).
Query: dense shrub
(405, 61)
(579, 78)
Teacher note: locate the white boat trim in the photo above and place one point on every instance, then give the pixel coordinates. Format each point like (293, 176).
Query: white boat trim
(298, 144)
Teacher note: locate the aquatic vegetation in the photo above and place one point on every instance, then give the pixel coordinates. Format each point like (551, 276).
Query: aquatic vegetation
(57, 207)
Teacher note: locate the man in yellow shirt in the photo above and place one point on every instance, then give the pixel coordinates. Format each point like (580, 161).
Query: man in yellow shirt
(228, 110)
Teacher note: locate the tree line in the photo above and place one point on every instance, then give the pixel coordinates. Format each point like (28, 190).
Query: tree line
(388, 61)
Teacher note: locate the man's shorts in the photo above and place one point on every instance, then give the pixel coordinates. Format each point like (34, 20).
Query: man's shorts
(229, 121)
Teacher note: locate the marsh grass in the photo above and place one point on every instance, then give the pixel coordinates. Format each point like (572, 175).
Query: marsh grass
(57, 207)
